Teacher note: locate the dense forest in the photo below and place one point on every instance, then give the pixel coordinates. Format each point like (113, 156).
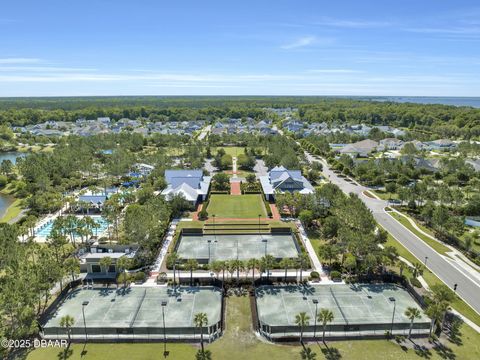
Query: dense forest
(443, 120)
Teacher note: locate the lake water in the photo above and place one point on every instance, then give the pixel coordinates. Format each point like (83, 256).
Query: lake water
(11, 155)
(5, 202)
(447, 100)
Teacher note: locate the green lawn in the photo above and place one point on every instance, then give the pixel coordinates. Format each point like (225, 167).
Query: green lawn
(439, 247)
(236, 206)
(240, 343)
(230, 150)
(385, 195)
(12, 211)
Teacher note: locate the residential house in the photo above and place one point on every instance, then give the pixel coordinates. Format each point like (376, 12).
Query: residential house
(281, 180)
(192, 184)
(441, 144)
(390, 144)
(360, 149)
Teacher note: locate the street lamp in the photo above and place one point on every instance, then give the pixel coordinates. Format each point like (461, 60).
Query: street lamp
(85, 303)
(175, 263)
(214, 235)
(265, 241)
(259, 216)
(209, 243)
(164, 303)
(392, 299)
(315, 301)
(425, 263)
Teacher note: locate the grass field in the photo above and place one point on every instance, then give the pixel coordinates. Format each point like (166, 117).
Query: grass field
(382, 194)
(230, 150)
(12, 211)
(239, 206)
(240, 343)
(440, 248)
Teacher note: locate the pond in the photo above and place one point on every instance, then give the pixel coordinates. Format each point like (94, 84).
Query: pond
(5, 202)
(11, 155)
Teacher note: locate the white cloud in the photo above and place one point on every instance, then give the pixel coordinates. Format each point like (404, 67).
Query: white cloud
(300, 42)
(354, 24)
(335, 71)
(19, 61)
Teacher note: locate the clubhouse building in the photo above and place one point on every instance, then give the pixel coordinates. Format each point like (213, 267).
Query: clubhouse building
(281, 180)
(192, 184)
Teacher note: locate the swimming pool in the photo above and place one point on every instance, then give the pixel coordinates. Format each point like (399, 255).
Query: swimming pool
(46, 229)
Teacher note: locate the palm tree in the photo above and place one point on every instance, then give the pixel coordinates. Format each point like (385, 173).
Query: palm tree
(216, 267)
(252, 264)
(238, 266)
(203, 355)
(302, 320)
(325, 316)
(200, 321)
(267, 263)
(443, 295)
(72, 265)
(123, 263)
(434, 312)
(191, 265)
(67, 322)
(303, 262)
(417, 269)
(412, 313)
(224, 266)
(308, 354)
(105, 263)
(286, 263)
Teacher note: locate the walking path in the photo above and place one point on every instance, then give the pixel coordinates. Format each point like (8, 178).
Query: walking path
(453, 253)
(163, 251)
(317, 265)
(426, 287)
(275, 213)
(235, 188)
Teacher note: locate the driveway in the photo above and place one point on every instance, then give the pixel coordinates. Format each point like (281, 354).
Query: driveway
(260, 168)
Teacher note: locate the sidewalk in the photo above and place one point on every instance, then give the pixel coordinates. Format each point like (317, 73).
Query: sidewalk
(455, 257)
(317, 265)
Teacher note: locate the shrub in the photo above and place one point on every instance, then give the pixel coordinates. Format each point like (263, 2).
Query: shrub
(335, 275)
(314, 275)
(203, 215)
(3, 181)
(140, 276)
(415, 282)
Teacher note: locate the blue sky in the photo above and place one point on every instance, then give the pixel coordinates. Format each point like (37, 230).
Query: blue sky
(117, 47)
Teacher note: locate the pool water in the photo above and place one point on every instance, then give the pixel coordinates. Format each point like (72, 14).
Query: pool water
(47, 228)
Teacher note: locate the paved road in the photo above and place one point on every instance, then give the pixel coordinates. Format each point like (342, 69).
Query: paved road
(204, 132)
(447, 270)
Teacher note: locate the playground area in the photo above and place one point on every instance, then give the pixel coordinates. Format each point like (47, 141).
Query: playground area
(137, 313)
(359, 310)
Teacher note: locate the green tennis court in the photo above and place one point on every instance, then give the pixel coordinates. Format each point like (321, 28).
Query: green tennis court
(208, 248)
(137, 311)
(357, 308)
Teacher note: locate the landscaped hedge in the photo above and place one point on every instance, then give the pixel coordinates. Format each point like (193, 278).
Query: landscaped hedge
(335, 275)
(140, 276)
(267, 206)
(415, 282)
(220, 192)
